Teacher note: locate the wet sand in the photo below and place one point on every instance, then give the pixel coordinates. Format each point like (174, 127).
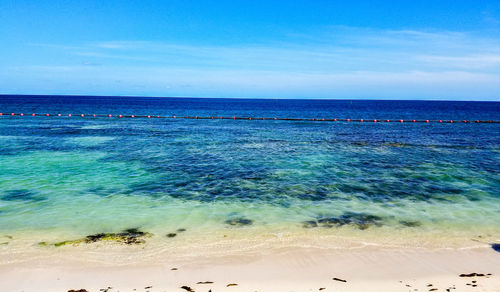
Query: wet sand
(279, 269)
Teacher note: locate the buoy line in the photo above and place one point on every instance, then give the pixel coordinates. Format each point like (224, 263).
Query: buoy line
(250, 118)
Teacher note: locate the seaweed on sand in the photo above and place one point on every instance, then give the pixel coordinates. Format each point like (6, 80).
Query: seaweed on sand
(128, 236)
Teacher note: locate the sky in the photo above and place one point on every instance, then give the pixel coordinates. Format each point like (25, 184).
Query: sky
(426, 49)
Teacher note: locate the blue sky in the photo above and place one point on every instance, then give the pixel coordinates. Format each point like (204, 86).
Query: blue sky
(263, 49)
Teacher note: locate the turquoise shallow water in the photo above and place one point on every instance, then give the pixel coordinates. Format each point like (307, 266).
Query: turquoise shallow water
(84, 176)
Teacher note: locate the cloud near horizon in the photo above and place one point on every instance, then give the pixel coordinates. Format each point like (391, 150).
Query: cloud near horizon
(336, 62)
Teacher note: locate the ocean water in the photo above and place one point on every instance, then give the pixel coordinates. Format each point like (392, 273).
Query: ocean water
(74, 176)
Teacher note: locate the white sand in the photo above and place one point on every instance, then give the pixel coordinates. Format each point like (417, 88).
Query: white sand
(279, 269)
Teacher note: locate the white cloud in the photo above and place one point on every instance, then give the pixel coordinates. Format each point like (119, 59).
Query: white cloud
(339, 62)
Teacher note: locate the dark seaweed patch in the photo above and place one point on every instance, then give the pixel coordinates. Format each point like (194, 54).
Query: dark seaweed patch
(239, 222)
(128, 236)
(410, 223)
(360, 220)
(310, 224)
(21, 195)
(170, 235)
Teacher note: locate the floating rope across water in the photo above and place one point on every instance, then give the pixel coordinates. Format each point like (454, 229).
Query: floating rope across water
(249, 118)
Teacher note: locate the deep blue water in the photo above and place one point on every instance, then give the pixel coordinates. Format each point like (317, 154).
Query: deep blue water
(353, 109)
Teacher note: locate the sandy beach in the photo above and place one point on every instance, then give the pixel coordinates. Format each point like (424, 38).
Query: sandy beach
(279, 269)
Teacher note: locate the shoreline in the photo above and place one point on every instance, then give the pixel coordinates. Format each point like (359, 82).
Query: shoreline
(279, 269)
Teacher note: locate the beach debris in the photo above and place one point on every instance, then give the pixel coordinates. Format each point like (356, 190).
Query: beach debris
(360, 220)
(128, 236)
(205, 282)
(79, 290)
(105, 289)
(148, 287)
(187, 288)
(340, 280)
(321, 289)
(495, 246)
(239, 222)
(231, 285)
(170, 235)
(433, 289)
(173, 269)
(473, 275)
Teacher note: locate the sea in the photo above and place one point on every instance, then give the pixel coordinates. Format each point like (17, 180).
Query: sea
(65, 177)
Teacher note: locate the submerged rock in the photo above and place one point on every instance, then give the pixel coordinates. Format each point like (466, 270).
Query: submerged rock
(128, 236)
(360, 220)
(239, 222)
(410, 223)
(21, 195)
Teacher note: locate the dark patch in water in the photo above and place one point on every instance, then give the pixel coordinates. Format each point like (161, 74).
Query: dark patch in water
(170, 235)
(239, 222)
(410, 223)
(181, 229)
(21, 195)
(360, 220)
(310, 224)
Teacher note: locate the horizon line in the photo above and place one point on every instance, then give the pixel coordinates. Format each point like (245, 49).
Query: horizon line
(242, 98)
